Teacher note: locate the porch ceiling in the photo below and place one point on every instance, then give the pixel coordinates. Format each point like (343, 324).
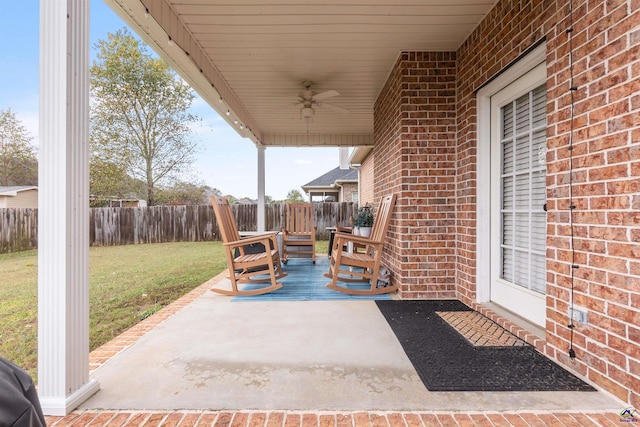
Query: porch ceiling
(254, 55)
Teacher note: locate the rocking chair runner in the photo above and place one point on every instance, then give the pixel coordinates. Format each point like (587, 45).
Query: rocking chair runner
(358, 266)
(299, 232)
(245, 265)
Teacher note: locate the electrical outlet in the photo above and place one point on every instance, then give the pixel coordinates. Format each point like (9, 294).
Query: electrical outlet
(578, 314)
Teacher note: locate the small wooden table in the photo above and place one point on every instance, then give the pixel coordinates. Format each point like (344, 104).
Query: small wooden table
(333, 232)
(256, 233)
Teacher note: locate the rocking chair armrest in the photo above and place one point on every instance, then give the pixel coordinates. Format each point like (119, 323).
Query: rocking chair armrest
(343, 230)
(261, 238)
(356, 239)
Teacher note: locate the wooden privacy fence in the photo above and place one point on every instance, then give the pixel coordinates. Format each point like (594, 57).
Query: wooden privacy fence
(18, 229)
(157, 224)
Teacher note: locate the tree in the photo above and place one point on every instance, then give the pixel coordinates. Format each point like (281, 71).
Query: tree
(185, 193)
(294, 196)
(140, 118)
(18, 159)
(109, 180)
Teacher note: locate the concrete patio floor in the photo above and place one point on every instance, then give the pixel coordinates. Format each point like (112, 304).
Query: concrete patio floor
(206, 356)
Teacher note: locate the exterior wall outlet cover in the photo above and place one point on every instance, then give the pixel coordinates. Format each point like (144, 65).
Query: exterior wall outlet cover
(578, 314)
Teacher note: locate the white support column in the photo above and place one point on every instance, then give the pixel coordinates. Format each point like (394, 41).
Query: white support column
(261, 188)
(63, 205)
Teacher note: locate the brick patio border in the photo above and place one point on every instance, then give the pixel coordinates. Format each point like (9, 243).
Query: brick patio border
(309, 418)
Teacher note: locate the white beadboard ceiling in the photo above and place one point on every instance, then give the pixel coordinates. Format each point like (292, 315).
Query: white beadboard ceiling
(254, 55)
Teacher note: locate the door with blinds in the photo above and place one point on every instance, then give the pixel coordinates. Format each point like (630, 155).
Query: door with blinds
(518, 196)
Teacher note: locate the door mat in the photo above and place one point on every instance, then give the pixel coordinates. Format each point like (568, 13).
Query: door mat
(305, 281)
(447, 360)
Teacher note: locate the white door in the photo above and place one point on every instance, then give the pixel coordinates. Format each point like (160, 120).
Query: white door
(518, 196)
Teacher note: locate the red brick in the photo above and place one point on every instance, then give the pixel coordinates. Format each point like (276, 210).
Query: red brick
(631, 250)
(223, 419)
(292, 420)
(188, 420)
(172, 420)
(344, 420)
(446, 420)
(378, 420)
(481, 420)
(635, 399)
(207, 420)
(101, 419)
(276, 419)
(532, 420)
(568, 420)
(515, 420)
(583, 420)
(498, 420)
(361, 419)
(412, 420)
(606, 383)
(154, 420)
(309, 420)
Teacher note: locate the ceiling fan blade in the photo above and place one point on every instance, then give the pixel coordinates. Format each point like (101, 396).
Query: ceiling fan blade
(324, 95)
(334, 108)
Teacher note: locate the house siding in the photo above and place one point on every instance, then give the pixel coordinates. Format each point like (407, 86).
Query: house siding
(425, 151)
(24, 199)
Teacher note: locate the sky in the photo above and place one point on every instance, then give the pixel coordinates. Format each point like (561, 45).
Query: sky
(224, 159)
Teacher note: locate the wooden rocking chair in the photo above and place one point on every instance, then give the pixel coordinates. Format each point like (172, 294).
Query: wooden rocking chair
(349, 265)
(249, 259)
(299, 232)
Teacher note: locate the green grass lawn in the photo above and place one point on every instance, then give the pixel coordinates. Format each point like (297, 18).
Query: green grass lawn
(126, 285)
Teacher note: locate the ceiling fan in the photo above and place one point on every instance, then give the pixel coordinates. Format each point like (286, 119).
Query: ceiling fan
(308, 99)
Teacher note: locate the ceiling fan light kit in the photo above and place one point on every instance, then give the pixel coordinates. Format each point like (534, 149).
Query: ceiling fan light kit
(307, 112)
(307, 99)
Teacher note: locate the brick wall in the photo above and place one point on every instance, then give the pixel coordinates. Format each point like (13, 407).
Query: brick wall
(415, 157)
(606, 174)
(346, 191)
(425, 135)
(606, 194)
(366, 180)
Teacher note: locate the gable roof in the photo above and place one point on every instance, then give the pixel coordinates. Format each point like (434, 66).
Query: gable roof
(335, 175)
(245, 201)
(12, 191)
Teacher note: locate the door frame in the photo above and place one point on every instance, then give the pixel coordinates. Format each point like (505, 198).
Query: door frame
(483, 162)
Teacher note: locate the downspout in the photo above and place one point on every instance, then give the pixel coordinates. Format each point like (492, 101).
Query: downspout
(357, 167)
(261, 188)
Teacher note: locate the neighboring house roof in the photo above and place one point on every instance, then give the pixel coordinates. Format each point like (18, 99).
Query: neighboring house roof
(330, 178)
(245, 201)
(13, 191)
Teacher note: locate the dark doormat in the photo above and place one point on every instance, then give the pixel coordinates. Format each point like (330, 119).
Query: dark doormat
(452, 350)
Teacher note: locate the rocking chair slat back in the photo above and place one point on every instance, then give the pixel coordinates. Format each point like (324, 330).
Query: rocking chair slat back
(226, 220)
(383, 216)
(299, 232)
(299, 220)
